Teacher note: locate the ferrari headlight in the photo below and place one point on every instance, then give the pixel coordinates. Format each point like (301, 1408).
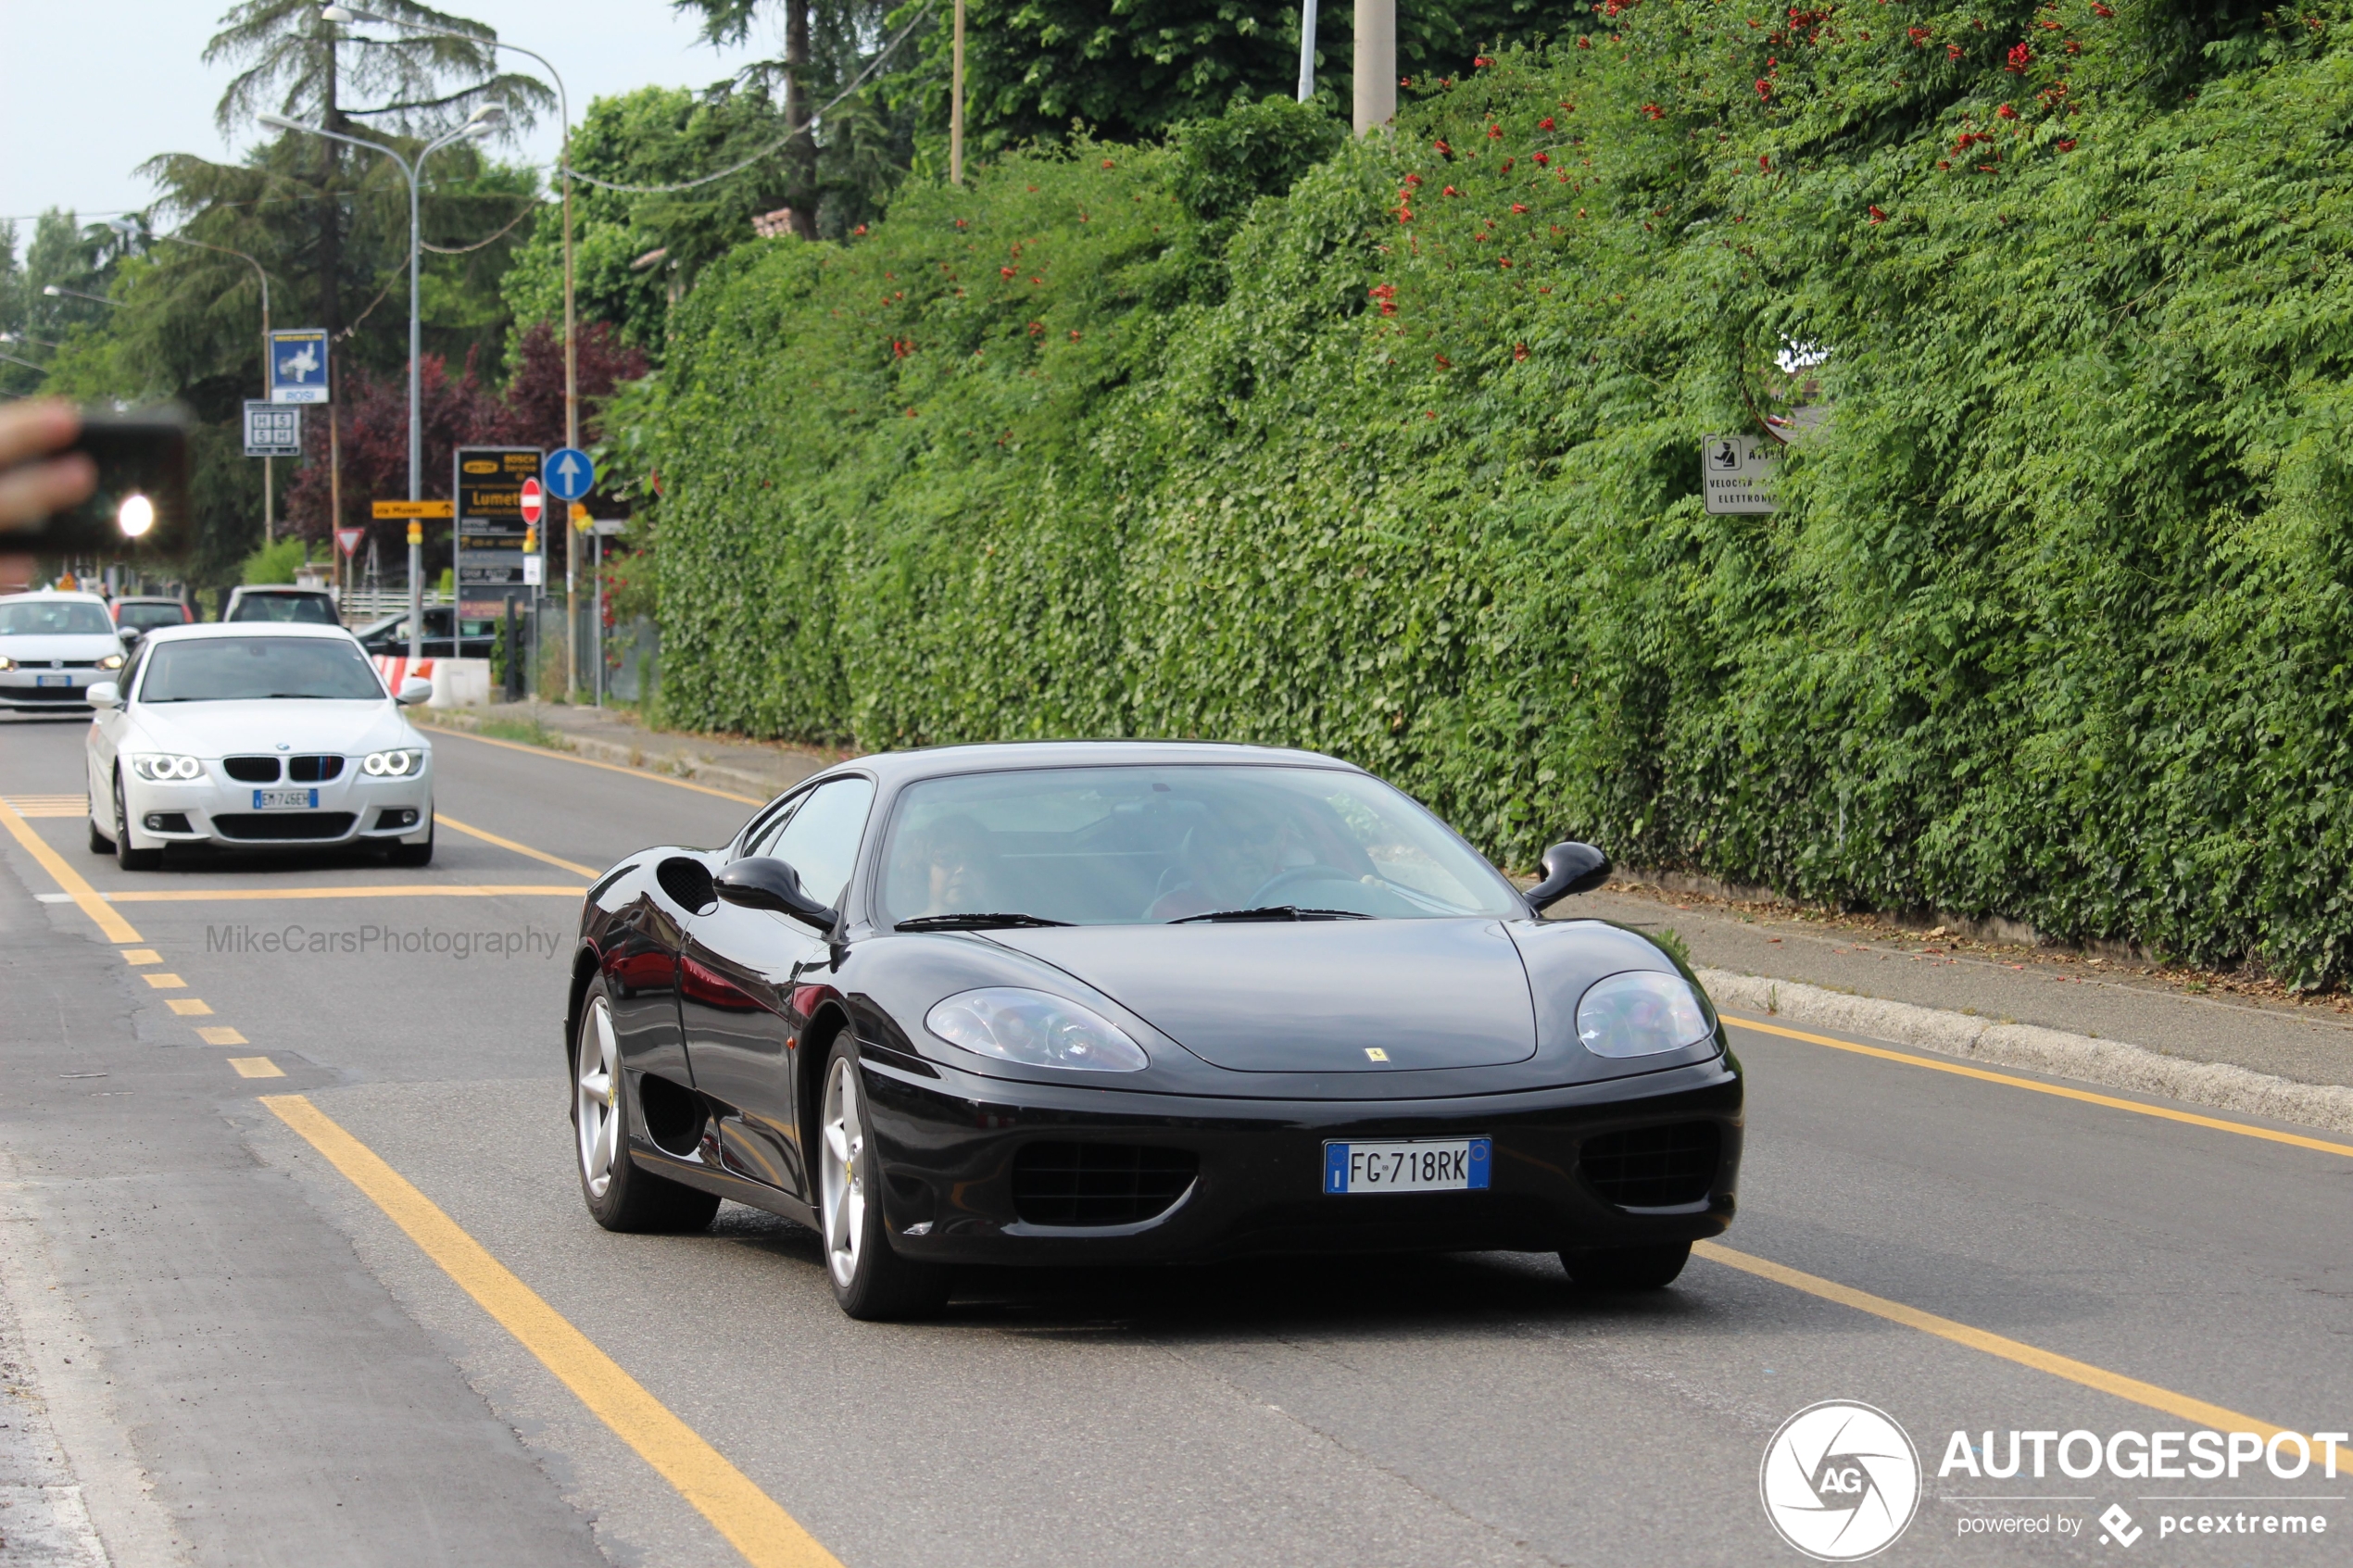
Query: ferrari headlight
(165, 768)
(1642, 1013)
(1035, 1029)
(391, 764)
(112, 661)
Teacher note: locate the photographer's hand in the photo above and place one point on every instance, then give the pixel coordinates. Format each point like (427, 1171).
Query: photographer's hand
(33, 485)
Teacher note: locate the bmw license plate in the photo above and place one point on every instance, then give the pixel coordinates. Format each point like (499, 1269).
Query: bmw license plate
(286, 800)
(53, 680)
(1408, 1165)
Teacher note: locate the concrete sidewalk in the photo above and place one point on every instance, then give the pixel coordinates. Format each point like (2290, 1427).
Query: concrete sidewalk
(2307, 1042)
(758, 769)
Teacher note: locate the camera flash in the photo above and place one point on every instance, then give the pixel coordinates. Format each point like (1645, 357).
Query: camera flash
(136, 516)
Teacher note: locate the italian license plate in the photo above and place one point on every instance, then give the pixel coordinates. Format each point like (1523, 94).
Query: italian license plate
(286, 800)
(53, 680)
(1408, 1165)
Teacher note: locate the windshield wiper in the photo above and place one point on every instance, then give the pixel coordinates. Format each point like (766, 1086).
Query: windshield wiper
(973, 922)
(1272, 911)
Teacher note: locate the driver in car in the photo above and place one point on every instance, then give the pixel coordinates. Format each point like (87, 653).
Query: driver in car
(1225, 861)
(959, 863)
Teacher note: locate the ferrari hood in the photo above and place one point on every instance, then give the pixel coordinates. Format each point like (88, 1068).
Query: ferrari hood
(219, 729)
(1311, 996)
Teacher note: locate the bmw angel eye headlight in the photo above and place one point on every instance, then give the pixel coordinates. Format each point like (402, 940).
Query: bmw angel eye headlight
(1035, 1030)
(391, 764)
(166, 768)
(1642, 1013)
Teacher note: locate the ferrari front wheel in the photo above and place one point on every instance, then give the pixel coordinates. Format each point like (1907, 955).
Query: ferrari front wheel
(870, 1281)
(620, 1196)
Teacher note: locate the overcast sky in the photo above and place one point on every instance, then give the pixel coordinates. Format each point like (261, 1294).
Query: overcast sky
(90, 92)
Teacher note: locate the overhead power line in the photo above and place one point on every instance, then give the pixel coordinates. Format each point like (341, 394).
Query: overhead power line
(781, 142)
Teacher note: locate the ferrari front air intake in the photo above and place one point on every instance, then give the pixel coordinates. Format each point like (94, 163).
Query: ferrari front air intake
(1099, 1184)
(1653, 1167)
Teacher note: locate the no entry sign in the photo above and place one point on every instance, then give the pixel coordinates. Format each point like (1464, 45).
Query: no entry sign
(534, 501)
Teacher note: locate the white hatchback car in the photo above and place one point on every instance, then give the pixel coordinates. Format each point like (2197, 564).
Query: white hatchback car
(54, 647)
(257, 736)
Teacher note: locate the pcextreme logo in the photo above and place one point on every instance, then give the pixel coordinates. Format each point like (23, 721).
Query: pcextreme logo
(1841, 1481)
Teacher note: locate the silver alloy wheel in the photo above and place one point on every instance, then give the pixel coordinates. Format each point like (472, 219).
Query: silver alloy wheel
(598, 1113)
(841, 1188)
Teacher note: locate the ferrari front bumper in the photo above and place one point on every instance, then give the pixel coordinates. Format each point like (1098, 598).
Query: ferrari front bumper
(1631, 1161)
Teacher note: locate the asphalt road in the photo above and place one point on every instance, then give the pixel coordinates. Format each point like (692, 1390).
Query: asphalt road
(244, 1360)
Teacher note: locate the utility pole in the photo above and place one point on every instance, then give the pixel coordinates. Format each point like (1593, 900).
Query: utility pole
(1306, 50)
(956, 105)
(1376, 64)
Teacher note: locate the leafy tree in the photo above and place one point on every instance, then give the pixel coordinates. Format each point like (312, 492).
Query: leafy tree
(1034, 68)
(841, 171)
(634, 254)
(302, 65)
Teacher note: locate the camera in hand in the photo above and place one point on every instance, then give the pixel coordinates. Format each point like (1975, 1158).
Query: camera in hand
(140, 508)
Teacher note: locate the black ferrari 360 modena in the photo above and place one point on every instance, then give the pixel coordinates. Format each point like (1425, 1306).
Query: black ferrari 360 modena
(1115, 1002)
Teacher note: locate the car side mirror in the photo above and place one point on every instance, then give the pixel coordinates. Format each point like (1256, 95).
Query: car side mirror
(414, 690)
(103, 694)
(765, 883)
(1568, 868)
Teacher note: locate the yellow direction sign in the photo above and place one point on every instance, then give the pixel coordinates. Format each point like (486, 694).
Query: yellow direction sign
(414, 509)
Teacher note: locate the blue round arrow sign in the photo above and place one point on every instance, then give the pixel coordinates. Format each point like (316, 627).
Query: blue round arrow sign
(569, 473)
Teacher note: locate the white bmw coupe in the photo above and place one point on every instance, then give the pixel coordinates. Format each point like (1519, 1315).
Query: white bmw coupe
(255, 735)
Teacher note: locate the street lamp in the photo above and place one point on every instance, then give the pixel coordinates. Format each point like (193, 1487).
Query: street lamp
(54, 292)
(348, 14)
(484, 121)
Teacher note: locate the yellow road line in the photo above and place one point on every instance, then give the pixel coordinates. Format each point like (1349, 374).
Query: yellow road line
(749, 1518)
(222, 1035)
(69, 882)
(188, 1006)
(608, 767)
(387, 890)
(446, 820)
(141, 955)
(2062, 1091)
(2074, 1370)
(161, 982)
(256, 1067)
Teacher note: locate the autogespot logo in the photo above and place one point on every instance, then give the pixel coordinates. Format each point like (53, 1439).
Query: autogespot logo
(1840, 1481)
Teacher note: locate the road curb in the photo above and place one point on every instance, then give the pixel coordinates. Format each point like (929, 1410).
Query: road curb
(2110, 1062)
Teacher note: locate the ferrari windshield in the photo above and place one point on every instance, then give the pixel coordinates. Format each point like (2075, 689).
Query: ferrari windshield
(1125, 845)
(55, 618)
(243, 669)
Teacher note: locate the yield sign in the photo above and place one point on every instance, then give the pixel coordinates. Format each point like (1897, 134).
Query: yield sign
(533, 501)
(349, 539)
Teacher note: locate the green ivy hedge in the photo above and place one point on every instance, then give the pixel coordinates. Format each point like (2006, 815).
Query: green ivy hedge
(1402, 461)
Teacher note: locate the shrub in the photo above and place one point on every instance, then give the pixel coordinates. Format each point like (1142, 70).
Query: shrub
(2052, 622)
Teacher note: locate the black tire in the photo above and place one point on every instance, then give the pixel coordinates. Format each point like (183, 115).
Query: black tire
(99, 843)
(1628, 1268)
(632, 1199)
(130, 859)
(413, 853)
(871, 1281)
